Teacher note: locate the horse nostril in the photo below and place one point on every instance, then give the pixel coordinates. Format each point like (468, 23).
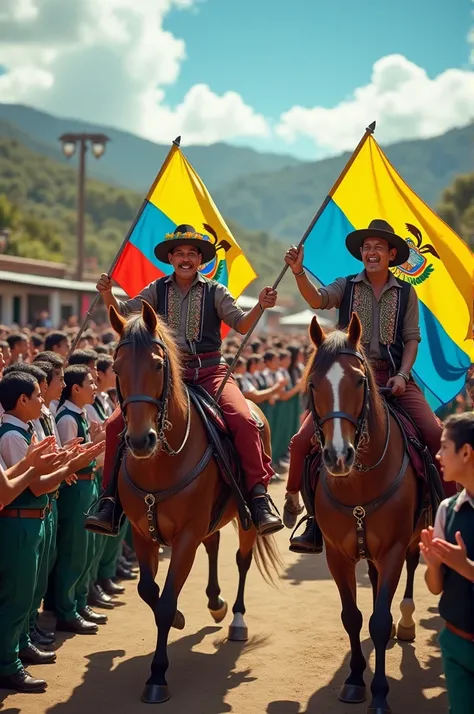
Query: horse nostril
(350, 454)
(151, 439)
(327, 455)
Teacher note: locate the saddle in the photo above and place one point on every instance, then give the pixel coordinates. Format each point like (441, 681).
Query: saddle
(430, 488)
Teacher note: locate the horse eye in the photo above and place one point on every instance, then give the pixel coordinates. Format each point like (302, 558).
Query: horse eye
(360, 381)
(159, 366)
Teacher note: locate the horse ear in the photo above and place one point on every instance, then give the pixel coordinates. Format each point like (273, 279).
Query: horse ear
(354, 331)
(149, 317)
(316, 332)
(116, 320)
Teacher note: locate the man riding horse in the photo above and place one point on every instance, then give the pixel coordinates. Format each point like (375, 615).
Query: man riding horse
(388, 310)
(194, 307)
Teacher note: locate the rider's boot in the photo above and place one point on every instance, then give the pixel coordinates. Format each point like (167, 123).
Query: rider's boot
(311, 540)
(107, 520)
(264, 519)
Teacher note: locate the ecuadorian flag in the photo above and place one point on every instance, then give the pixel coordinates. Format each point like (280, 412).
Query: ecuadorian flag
(440, 266)
(179, 196)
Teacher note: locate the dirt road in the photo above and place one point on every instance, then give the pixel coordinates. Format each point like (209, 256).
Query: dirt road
(294, 663)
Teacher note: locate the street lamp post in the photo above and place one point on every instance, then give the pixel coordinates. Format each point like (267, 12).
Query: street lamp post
(69, 144)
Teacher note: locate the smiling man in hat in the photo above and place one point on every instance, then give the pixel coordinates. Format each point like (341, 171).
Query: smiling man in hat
(194, 307)
(388, 310)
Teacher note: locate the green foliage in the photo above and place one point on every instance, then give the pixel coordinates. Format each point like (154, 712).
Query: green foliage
(457, 207)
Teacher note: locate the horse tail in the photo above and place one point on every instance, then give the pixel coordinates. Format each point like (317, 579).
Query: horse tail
(268, 559)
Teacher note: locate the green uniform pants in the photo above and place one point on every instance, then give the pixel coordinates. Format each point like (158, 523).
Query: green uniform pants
(112, 550)
(458, 661)
(21, 542)
(74, 549)
(43, 566)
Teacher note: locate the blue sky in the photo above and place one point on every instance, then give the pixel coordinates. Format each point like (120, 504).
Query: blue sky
(299, 77)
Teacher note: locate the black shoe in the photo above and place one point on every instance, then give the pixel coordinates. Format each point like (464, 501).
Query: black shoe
(111, 588)
(38, 639)
(124, 573)
(291, 512)
(129, 554)
(22, 681)
(98, 598)
(127, 564)
(32, 655)
(88, 614)
(264, 520)
(45, 633)
(107, 519)
(79, 626)
(311, 541)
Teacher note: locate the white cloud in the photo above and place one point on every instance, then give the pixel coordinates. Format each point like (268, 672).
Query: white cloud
(110, 62)
(401, 97)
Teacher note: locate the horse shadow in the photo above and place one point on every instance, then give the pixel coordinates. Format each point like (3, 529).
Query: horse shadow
(406, 693)
(118, 689)
(307, 568)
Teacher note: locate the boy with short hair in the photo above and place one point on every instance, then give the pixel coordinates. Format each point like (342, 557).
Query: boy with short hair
(448, 550)
(18, 343)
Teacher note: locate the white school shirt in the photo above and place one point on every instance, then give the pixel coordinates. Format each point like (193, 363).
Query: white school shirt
(49, 417)
(92, 416)
(13, 446)
(67, 426)
(441, 513)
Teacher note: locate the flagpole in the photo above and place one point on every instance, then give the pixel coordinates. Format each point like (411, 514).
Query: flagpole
(368, 132)
(175, 145)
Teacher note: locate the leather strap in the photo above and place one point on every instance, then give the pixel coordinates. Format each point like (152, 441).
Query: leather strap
(38, 513)
(85, 477)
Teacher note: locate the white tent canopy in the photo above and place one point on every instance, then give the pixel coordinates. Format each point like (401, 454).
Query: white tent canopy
(302, 319)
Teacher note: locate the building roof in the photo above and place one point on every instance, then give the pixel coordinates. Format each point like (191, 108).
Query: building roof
(40, 281)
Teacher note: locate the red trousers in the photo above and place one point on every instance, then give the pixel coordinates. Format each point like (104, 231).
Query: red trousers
(256, 464)
(412, 401)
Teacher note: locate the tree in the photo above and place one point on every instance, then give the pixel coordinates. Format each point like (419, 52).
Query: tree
(457, 207)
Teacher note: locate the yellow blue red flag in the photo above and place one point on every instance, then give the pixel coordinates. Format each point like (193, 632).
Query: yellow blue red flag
(179, 196)
(440, 266)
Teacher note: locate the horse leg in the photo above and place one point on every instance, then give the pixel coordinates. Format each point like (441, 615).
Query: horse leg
(374, 578)
(238, 631)
(406, 627)
(342, 569)
(183, 553)
(380, 627)
(216, 605)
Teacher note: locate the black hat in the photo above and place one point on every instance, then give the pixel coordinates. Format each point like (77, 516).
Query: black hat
(185, 234)
(378, 228)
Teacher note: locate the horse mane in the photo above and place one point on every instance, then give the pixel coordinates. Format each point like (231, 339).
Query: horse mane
(324, 356)
(142, 339)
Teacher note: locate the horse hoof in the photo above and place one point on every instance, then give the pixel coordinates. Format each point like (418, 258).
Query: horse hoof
(179, 621)
(406, 634)
(219, 615)
(352, 694)
(238, 634)
(393, 633)
(155, 694)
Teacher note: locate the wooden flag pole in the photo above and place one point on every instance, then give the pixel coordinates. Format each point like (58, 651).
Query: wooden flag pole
(368, 132)
(175, 145)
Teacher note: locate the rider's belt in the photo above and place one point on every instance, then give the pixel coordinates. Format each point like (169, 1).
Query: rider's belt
(85, 477)
(460, 633)
(24, 513)
(381, 365)
(206, 359)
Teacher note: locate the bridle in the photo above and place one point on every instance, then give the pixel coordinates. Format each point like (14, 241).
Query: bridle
(359, 422)
(162, 422)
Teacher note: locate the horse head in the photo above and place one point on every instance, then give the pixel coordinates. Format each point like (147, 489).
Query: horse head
(147, 367)
(339, 382)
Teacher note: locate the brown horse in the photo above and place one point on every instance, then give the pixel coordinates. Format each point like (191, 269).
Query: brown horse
(366, 499)
(169, 484)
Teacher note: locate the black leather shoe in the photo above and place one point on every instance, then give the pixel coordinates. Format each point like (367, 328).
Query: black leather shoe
(264, 520)
(111, 588)
(124, 573)
(79, 626)
(38, 639)
(107, 519)
(45, 633)
(32, 655)
(98, 598)
(311, 541)
(88, 614)
(22, 681)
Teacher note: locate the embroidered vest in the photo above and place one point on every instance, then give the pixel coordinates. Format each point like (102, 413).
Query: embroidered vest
(457, 600)
(203, 324)
(27, 498)
(82, 431)
(393, 304)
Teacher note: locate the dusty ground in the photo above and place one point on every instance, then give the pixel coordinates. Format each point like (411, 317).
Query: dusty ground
(295, 662)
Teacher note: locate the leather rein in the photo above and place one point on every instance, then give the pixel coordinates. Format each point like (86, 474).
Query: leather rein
(359, 512)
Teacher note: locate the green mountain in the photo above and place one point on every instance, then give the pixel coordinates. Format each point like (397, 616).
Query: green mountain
(38, 208)
(284, 202)
(129, 160)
